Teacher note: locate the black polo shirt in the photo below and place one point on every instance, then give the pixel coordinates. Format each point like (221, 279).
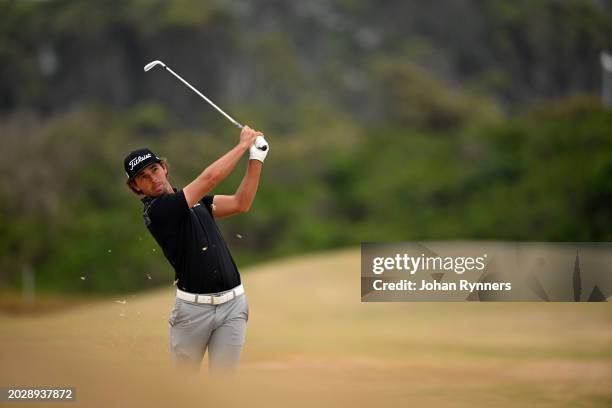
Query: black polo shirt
(192, 242)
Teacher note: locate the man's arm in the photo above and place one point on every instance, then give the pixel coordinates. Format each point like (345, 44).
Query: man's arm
(226, 205)
(220, 169)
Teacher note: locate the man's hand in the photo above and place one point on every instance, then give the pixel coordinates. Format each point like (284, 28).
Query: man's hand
(255, 151)
(248, 136)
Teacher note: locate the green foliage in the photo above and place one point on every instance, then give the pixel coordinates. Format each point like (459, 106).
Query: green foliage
(416, 99)
(385, 124)
(543, 175)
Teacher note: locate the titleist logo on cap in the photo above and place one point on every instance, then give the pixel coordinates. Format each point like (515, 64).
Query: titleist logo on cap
(137, 160)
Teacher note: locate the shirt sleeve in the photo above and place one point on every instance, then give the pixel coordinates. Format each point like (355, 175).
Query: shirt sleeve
(208, 203)
(168, 208)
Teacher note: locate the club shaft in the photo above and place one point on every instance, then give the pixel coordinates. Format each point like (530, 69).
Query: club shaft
(204, 97)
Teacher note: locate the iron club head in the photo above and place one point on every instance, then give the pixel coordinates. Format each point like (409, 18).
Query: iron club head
(153, 64)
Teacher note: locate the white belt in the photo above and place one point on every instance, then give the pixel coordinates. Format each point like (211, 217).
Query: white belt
(210, 299)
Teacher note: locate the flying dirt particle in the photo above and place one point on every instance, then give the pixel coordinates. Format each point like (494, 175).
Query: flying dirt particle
(148, 276)
(109, 251)
(83, 278)
(175, 282)
(153, 249)
(204, 248)
(121, 315)
(122, 302)
(239, 236)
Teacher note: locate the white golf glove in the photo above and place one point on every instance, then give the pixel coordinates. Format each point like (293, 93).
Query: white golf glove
(259, 150)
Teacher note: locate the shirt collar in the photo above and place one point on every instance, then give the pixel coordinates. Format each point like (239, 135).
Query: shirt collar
(148, 199)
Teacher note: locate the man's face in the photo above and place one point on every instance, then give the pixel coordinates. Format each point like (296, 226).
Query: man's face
(152, 180)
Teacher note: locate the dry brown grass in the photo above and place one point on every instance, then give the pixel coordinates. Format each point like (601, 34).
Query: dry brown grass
(315, 343)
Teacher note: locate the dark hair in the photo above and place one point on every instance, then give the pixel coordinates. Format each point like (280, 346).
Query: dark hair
(130, 182)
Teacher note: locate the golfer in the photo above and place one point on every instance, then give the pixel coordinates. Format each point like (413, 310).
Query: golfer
(211, 309)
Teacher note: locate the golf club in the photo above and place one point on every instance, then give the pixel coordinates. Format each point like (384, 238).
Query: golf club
(155, 63)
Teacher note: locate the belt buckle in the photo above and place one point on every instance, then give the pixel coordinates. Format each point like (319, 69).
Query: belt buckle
(224, 298)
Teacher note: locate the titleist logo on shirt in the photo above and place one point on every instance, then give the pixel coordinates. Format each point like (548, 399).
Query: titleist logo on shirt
(137, 160)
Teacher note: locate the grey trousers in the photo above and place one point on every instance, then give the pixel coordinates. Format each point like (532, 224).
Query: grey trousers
(194, 327)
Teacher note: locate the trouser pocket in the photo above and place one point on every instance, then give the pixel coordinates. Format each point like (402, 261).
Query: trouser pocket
(182, 314)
